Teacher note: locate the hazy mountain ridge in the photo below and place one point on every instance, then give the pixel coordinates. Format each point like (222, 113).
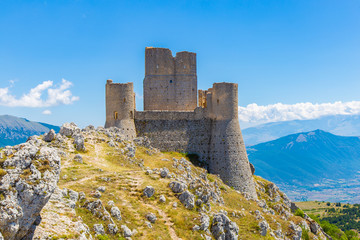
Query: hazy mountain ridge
(15, 130)
(343, 125)
(314, 161)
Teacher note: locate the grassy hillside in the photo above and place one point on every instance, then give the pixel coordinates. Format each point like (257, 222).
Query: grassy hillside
(345, 216)
(123, 169)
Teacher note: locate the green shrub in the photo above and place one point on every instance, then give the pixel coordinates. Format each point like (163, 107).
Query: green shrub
(299, 213)
(351, 235)
(103, 237)
(305, 234)
(333, 230)
(315, 218)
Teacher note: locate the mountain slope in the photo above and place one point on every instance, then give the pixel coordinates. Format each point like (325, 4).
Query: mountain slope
(14, 130)
(343, 125)
(113, 187)
(308, 159)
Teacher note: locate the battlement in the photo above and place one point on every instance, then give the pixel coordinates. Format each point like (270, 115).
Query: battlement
(160, 61)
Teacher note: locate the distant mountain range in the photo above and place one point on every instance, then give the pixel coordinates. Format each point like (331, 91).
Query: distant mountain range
(343, 125)
(318, 162)
(15, 130)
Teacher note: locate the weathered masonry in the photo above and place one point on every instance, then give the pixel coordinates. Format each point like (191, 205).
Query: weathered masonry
(178, 117)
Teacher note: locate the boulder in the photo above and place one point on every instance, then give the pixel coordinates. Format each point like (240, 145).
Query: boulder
(49, 136)
(223, 228)
(99, 229)
(115, 212)
(78, 158)
(187, 199)
(177, 187)
(205, 221)
(164, 172)
(112, 228)
(69, 129)
(264, 227)
(126, 231)
(151, 217)
(79, 142)
(162, 199)
(149, 191)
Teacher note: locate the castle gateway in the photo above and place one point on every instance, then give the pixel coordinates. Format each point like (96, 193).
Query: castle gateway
(178, 117)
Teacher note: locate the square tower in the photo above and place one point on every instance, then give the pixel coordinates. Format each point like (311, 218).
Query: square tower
(170, 83)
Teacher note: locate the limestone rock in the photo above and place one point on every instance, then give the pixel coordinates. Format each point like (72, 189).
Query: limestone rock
(297, 229)
(99, 229)
(151, 217)
(79, 141)
(177, 187)
(97, 194)
(149, 191)
(162, 199)
(264, 227)
(115, 212)
(164, 173)
(223, 228)
(205, 221)
(78, 158)
(101, 189)
(187, 199)
(126, 231)
(49, 136)
(31, 177)
(69, 129)
(74, 196)
(112, 228)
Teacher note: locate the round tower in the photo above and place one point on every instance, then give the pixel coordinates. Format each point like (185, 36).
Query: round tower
(120, 107)
(228, 156)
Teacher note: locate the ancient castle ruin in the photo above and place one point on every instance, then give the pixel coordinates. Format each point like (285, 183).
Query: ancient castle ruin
(179, 117)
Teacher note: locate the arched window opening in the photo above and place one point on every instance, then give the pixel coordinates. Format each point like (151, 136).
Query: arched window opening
(115, 115)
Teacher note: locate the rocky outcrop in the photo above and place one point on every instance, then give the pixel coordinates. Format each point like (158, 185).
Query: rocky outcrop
(223, 228)
(30, 172)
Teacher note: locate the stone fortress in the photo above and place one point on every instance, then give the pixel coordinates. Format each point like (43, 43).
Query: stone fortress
(179, 117)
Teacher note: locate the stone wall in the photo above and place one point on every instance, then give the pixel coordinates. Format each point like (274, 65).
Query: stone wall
(176, 131)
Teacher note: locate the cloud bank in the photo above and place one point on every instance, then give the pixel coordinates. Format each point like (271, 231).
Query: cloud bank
(36, 97)
(254, 113)
(46, 112)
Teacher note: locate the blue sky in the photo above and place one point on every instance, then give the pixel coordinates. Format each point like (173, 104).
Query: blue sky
(286, 52)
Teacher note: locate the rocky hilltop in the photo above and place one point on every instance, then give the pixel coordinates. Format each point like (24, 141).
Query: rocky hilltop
(112, 188)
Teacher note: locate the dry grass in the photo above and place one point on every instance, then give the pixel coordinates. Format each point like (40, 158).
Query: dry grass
(127, 183)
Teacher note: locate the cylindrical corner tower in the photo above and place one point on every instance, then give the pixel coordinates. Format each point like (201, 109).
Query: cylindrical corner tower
(228, 156)
(120, 107)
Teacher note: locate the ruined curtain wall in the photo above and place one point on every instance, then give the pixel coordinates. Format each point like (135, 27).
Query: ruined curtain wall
(176, 131)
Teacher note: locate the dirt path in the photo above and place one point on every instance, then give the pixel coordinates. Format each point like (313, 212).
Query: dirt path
(167, 220)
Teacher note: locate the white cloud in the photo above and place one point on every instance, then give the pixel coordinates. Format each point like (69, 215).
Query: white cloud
(254, 113)
(46, 112)
(56, 95)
